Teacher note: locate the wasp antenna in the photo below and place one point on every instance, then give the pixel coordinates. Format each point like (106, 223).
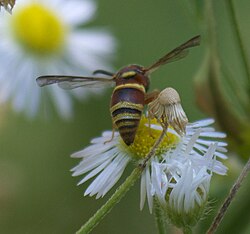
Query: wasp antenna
(103, 72)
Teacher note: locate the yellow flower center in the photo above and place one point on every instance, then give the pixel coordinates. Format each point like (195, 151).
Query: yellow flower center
(38, 29)
(145, 139)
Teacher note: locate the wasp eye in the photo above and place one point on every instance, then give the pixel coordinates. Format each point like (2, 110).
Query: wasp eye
(128, 74)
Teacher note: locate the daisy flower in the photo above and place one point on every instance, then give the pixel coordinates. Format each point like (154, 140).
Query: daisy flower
(44, 37)
(182, 178)
(178, 174)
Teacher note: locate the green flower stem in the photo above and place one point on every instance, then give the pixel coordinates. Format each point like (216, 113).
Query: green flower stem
(217, 220)
(107, 207)
(160, 217)
(120, 192)
(235, 27)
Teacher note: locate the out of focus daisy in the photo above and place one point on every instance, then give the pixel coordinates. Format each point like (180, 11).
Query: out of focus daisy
(178, 174)
(45, 37)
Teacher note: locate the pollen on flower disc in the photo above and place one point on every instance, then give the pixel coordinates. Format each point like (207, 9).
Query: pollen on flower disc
(145, 138)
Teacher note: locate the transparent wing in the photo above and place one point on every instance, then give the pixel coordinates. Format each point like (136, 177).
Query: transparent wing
(72, 82)
(176, 54)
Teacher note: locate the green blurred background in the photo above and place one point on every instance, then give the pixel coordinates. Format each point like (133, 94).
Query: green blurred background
(37, 192)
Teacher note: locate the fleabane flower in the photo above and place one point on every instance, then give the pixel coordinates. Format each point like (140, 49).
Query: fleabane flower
(47, 38)
(179, 162)
(184, 177)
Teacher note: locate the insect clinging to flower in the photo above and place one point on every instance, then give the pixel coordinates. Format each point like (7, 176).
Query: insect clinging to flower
(130, 93)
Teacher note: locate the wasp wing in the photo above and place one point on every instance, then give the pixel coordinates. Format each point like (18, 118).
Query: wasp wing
(72, 82)
(176, 54)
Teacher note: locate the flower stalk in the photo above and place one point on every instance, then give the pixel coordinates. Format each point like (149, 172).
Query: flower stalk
(217, 220)
(107, 207)
(160, 217)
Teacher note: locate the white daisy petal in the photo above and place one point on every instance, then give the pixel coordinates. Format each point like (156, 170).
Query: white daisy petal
(149, 189)
(105, 162)
(143, 190)
(105, 179)
(213, 134)
(117, 174)
(202, 123)
(192, 141)
(94, 41)
(62, 101)
(208, 142)
(92, 173)
(83, 11)
(87, 165)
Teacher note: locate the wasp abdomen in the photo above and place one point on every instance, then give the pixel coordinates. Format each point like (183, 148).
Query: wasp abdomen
(127, 119)
(126, 110)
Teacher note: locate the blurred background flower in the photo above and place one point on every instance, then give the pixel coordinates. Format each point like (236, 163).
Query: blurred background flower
(44, 37)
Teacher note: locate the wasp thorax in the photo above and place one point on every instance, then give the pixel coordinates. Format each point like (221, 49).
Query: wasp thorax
(132, 74)
(168, 110)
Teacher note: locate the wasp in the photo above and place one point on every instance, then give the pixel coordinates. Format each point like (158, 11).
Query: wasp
(130, 92)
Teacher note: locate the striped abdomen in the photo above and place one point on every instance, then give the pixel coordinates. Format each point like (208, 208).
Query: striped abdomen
(126, 109)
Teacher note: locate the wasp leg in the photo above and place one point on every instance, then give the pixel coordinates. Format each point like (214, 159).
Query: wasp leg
(149, 97)
(112, 137)
(149, 126)
(163, 123)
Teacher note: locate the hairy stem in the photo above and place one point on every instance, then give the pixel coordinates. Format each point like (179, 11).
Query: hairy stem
(217, 220)
(107, 207)
(160, 217)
